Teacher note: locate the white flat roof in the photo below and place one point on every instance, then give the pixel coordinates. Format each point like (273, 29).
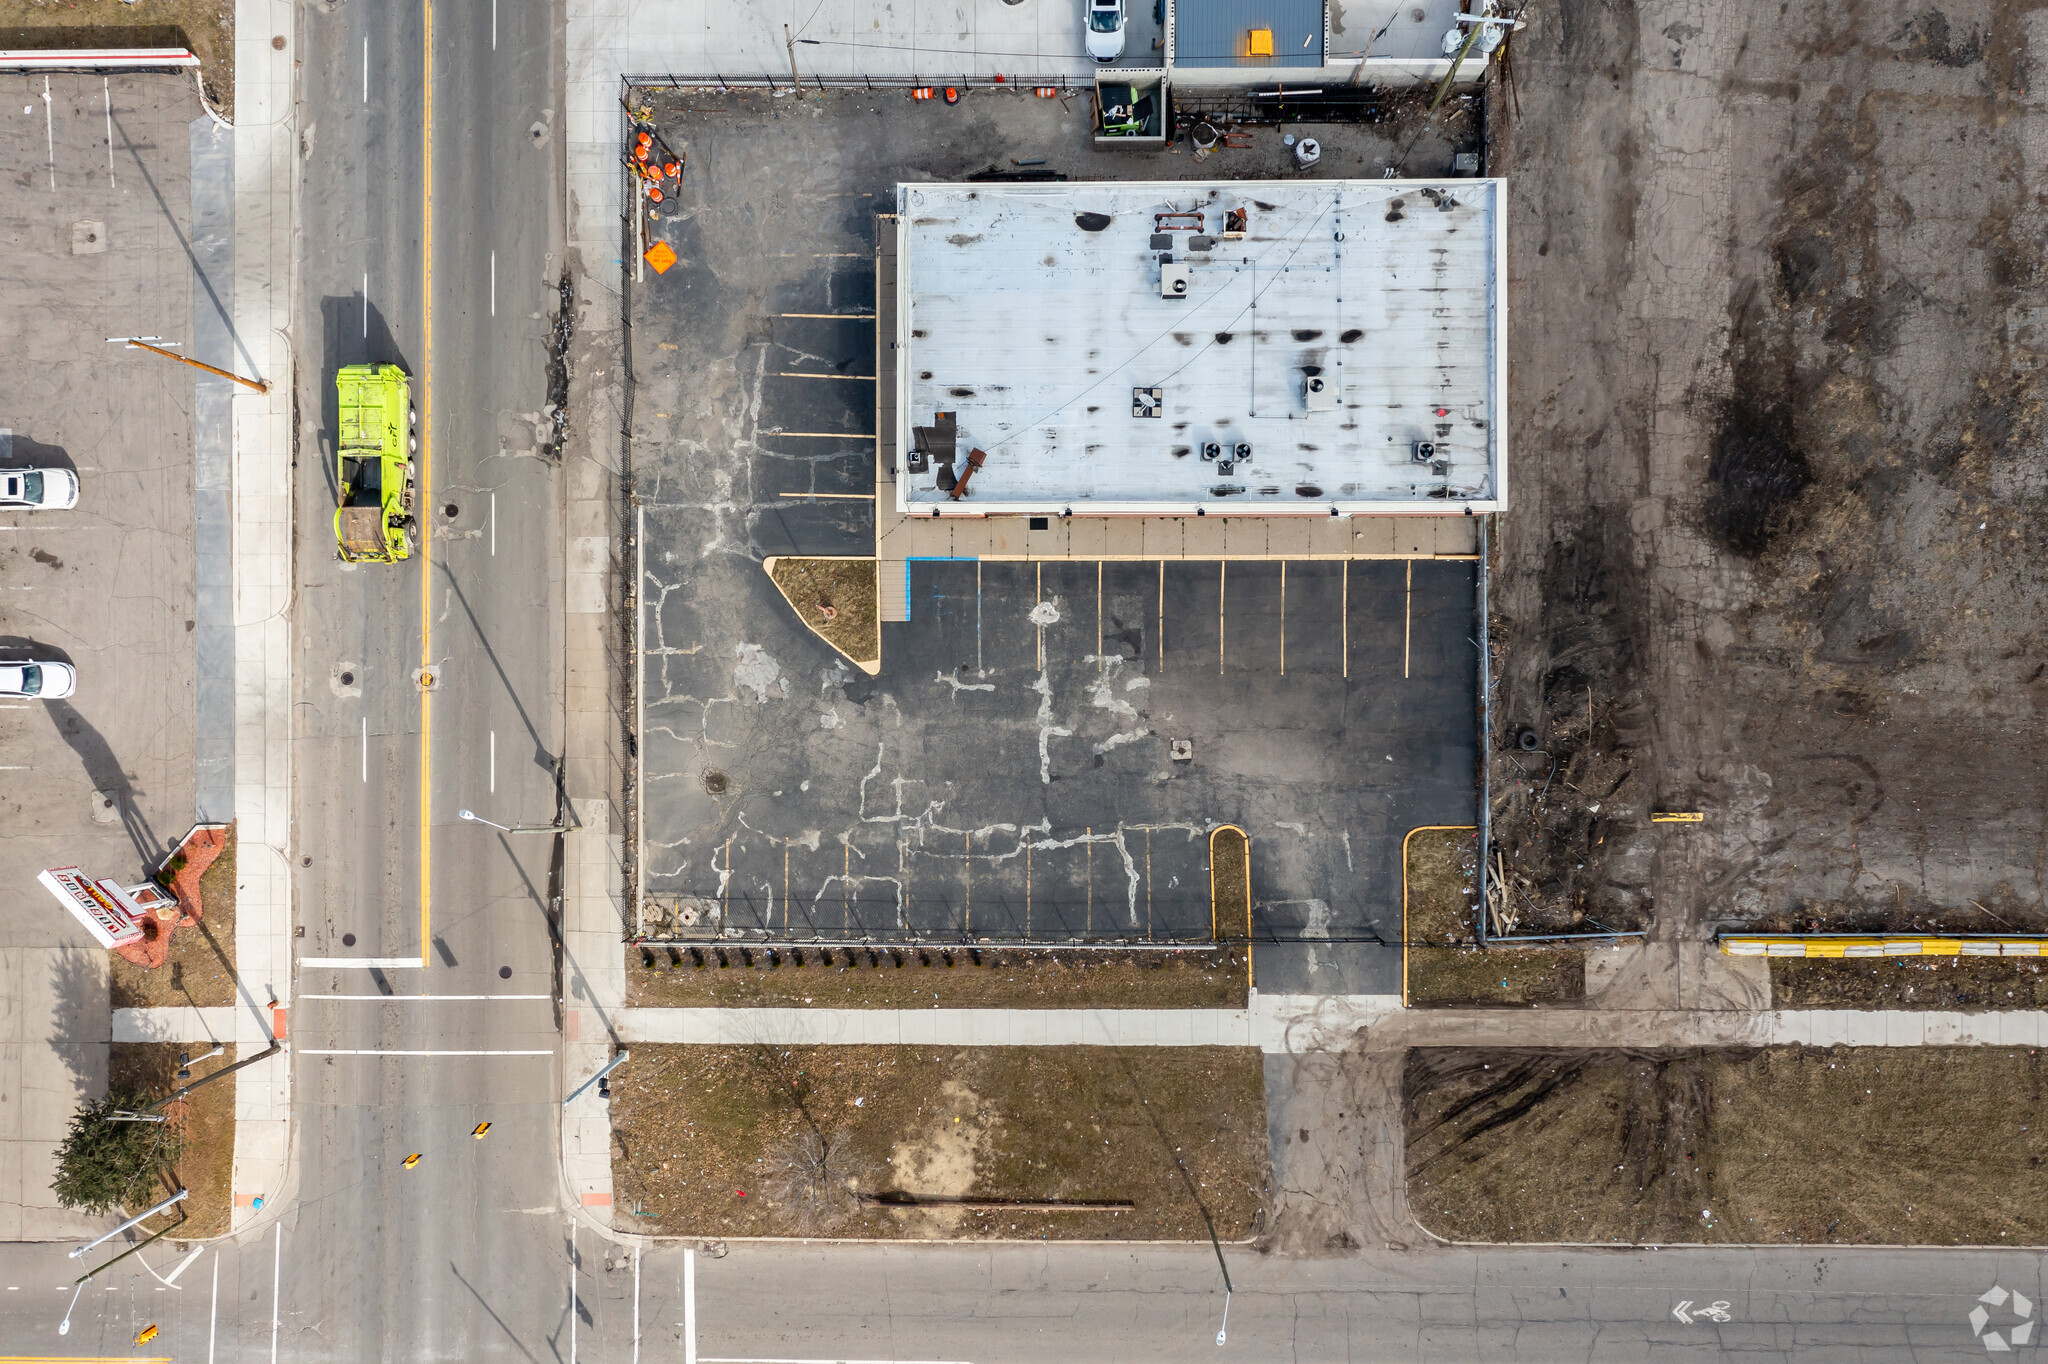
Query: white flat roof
(1032, 320)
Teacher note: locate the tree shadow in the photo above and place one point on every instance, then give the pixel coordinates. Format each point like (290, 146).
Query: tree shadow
(78, 1007)
(108, 777)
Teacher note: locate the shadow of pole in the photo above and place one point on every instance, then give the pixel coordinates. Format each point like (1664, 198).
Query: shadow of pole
(108, 777)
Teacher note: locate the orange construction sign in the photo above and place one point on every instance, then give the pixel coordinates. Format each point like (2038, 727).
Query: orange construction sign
(661, 256)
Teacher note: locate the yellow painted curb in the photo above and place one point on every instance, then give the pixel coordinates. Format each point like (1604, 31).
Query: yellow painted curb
(1232, 828)
(870, 666)
(1879, 945)
(1418, 829)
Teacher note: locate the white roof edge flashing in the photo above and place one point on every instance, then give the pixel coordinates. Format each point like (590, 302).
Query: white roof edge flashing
(1035, 325)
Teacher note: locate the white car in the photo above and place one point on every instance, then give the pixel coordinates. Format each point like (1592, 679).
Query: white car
(38, 489)
(1106, 21)
(38, 681)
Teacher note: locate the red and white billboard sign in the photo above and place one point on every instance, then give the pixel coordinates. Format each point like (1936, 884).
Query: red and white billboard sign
(111, 922)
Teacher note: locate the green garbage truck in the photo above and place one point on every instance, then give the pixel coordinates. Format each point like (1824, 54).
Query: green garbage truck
(373, 458)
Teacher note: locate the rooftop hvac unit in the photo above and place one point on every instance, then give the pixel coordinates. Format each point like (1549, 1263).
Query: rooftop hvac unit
(1176, 279)
(1319, 393)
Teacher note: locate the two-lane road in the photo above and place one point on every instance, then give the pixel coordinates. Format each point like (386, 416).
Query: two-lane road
(427, 208)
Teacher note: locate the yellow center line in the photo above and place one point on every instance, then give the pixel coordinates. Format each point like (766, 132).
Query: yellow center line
(426, 518)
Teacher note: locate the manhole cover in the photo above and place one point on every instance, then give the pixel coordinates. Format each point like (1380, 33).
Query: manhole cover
(688, 916)
(716, 781)
(106, 808)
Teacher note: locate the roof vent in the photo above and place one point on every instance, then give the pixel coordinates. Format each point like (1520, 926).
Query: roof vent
(1319, 393)
(1176, 280)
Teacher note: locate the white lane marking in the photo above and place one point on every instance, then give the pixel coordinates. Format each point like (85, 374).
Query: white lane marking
(366, 748)
(689, 1307)
(494, 525)
(385, 1051)
(374, 963)
(366, 303)
(494, 25)
(636, 1305)
(572, 1292)
(304, 998)
(50, 132)
(107, 90)
(276, 1273)
(366, 70)
(184, 1265)
(494, 760)
(213, 1312)
(494, 284)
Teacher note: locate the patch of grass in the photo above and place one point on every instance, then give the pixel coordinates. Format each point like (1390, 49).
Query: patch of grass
(207, 27)
(1848, 1145)
(1230, 854)
(844, 586)
(791, 1125)
(1446, 965)
(1964, 983)
(208, 1119)
(669, 975)
(201, 968)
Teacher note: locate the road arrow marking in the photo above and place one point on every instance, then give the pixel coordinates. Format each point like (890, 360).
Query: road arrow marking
(1684, 1318)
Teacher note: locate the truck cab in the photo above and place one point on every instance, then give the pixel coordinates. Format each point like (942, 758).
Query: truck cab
(373, 464)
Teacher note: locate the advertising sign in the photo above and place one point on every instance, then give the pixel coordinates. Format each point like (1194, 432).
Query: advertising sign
(111, 922)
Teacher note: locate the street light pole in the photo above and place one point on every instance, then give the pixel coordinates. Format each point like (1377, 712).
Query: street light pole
(178, 1197)
(142, 343)
(475, 818)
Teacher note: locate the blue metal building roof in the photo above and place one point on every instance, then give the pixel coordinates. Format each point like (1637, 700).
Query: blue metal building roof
(1218, 32)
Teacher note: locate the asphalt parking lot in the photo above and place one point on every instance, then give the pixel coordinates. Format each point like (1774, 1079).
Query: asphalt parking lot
(98, 245)
(1007, 775)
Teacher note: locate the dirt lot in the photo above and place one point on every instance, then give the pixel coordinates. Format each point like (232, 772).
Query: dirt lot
(1777, 391)
(771, 1141)
(678, 975)
(207, 27)
(1446, 965)
(1789, 1144)
(1967, 983)
(201, 969)
(208, 1117)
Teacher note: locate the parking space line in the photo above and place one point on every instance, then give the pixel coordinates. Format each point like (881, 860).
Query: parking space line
(1283, 618)
(967, 880)
(1408, 618)
(1088, 919)
(846, 885)
(1099, 663)
(1162, 617)
(979, 670)
(1344, 614)
(825, 435)
(785, 885)
(1041, 628)
(1222, 587)
(1148, 883)
(1027, 883)
(858, 497)
(869, 317)
(805, 374)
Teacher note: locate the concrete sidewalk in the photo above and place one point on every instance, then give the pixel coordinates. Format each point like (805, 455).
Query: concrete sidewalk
(1304, 1024)
(261, 508)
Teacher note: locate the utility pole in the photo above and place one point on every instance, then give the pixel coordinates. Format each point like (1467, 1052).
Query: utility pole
(142, 343)
(789, 41)
(273, 1049)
